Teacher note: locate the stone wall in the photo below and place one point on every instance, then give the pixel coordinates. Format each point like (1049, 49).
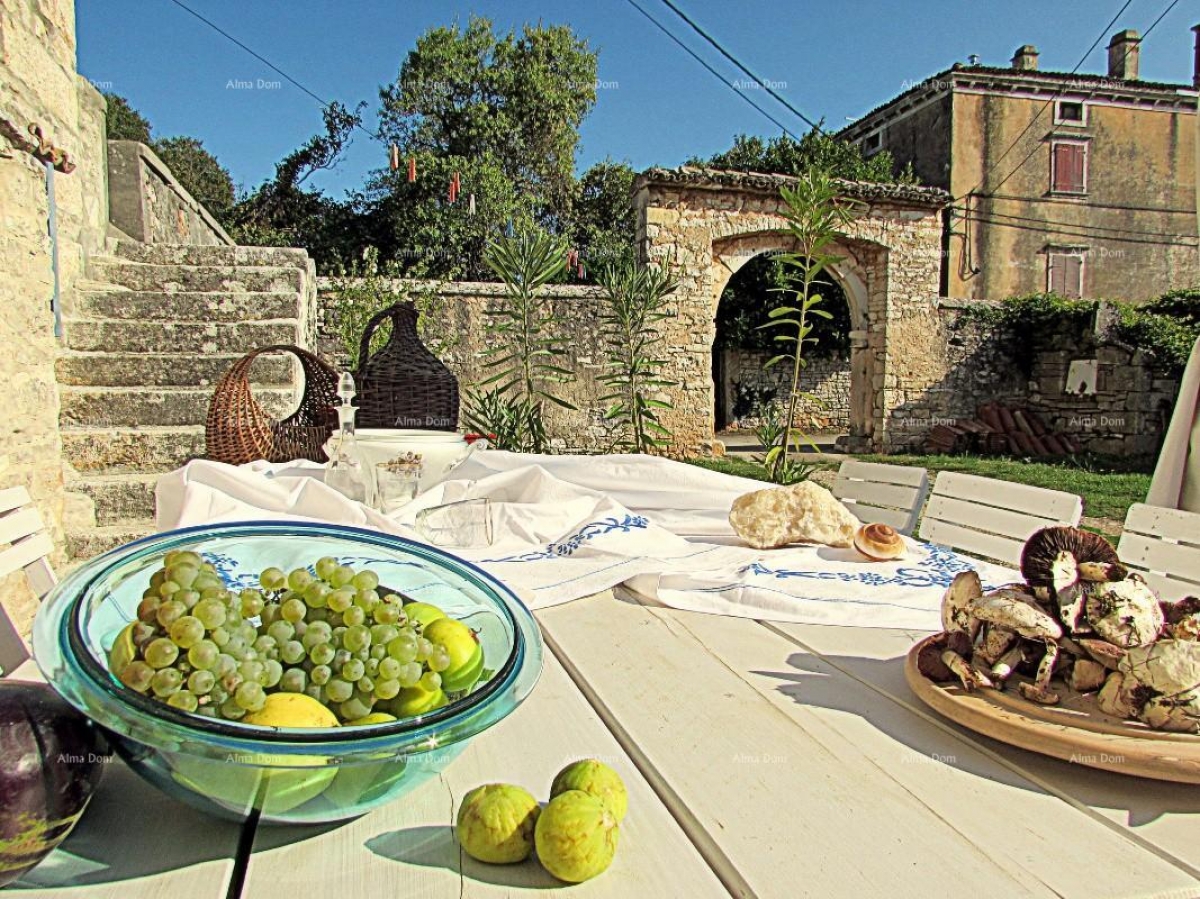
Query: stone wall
(150, 205)
(826, 379)
(39, 84)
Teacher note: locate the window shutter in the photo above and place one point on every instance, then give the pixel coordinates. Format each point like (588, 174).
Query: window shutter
(1068, 175)
(1072, 276)
(1056, 281)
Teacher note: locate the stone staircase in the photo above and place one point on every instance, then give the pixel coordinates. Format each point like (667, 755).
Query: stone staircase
(147, 337)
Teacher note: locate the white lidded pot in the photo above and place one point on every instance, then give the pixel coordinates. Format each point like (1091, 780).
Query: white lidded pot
(441, 452)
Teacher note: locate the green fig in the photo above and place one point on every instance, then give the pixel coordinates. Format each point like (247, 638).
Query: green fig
(496, 823)
(576, 836)
(596, 779)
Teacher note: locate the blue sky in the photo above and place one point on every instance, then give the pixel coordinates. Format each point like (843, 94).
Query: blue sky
(656, 105)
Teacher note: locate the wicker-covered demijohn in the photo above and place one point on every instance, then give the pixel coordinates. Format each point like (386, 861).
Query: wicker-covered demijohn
(239, 430)
(402, 384)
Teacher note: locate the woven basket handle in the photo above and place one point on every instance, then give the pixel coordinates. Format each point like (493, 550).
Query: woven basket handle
(394, 312)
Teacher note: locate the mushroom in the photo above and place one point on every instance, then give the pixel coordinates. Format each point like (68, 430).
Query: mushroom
(1121, 696)
(1125, 613)
(1087, 676)
(1179, 713)
(1093, 556)
(1015, 611)
(1183, 618)
(1168, 666)
(957, 614)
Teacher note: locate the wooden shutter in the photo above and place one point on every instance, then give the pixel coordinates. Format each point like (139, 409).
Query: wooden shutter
(1066, 274)
(1068, 168)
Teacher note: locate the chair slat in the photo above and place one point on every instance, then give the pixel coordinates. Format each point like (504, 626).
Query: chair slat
(1156, 554)
(990, 520)
(25, 552)
(992, 546)
(1053, 505)
(895, 518)
(13, 498)
(909, 475)
(1169, 588)
(894, 495)
(1171, 524)
(18, 524)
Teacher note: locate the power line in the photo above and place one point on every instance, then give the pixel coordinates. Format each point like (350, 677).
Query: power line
(1157, 240)
(733, 59)
(692, 53)
(965, 212)
(225, 34)
(1038, 115)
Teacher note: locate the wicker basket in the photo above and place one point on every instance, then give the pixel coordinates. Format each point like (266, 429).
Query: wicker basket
(238, 430)
(403, 385)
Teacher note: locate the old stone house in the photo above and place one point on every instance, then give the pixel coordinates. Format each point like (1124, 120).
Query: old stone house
(1077, 183)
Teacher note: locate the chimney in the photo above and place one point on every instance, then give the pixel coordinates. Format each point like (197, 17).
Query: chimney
(1196, 63)
(1123, 51)
(1025, 58)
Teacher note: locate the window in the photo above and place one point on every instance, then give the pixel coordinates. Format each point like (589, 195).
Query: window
(1070, 112)
(1068, 167)
(872, 142)
(1064, 273)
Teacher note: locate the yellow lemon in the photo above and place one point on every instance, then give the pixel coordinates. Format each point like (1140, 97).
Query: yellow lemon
(373, 718)
(292, 710)
(423, 613)
(123, 650)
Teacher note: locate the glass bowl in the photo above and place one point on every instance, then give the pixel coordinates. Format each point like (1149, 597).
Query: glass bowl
(289, 775)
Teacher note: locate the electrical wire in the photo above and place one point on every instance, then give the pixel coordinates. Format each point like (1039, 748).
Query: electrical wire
(733, 59)
(983, 219)
(692, 53)
(1048, 103)
(964, 212)
(225, 34)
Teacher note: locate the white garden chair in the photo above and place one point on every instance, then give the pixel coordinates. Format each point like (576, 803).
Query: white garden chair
(24, 545)
(888, 494)
(990, 518)
(1164, 546)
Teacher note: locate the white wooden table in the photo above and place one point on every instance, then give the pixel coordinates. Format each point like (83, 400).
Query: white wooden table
(762, 760)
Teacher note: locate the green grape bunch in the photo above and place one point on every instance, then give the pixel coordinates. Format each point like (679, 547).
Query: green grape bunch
(331, 633)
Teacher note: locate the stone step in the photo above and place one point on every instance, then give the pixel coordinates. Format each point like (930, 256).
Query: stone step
(90, 335)
(186, 254)
(120, 497)
(136, 407)
(176, 278)
(98, 369)
(84, 543)
(184, 306)
(127, 450)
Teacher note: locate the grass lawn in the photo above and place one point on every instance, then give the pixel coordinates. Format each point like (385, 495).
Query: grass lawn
(1107, 486)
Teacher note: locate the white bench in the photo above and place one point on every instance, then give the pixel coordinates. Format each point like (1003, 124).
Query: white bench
(24, 545)
(888, 494)
(1164, 545)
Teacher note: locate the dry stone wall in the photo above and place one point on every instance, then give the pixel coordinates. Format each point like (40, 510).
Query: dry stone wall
(150, 205)
(39, 85)
(825, 380)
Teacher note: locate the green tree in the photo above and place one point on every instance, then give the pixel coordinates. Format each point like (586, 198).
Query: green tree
(199, 173)
(123, 122)
(816, 149)
(603, 224)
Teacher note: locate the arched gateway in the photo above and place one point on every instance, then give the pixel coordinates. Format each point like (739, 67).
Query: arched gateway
(708, 224)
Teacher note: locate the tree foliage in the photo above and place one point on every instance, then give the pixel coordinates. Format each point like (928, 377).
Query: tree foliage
(123, 122)
(815, 150)
(199, 172)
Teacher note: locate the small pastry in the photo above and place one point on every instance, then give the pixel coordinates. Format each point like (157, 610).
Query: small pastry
(879, 542)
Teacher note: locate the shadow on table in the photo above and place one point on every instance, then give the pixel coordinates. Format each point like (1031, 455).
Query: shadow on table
(811, 684)
(132, 829)
(435, 847)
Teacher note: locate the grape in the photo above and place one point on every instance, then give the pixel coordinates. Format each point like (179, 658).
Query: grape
(265, 645)
(409, 675)
(147, 609)
(321, 674)
(366, 580)
(338, 690)
(189, 598)
(161, 653)
(322, 654)
(292, 652)
(383, 633)
(203, 654)
(186, 631)
(293, 610)
(403, 648)
(294, 680)
(210, 612)
(272, 672)
(342, 576)
(365, 685)
(220, 636)
(340, 600)
(389, 669)
(354, 616)
(353, 670)
(386, 613)
(315, 692)
(247, 631)
(252, 603)
(439, 661)
(182, 574)
(367, 600)
(281, 631)
(325, 567)
(253, 671)
(207, 581)
(165, 682)
(137, 676)
(378, 652)
(300, 628)
(183, 699)
(430, 681)
(201, 682)
(272, 579)
(168, 587)
(356, 638)
(169, 611)
(371, 666)
(250, 696)
(235, 646)
(269, 615)
(186, 557)
(387, 689)
(316, 595)
(225, 665)
(341, 657)
(353, 708)
(299, 578)
(231, 710)
(424, 649)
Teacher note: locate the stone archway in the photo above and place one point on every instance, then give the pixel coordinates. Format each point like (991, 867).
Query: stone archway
(707, 224)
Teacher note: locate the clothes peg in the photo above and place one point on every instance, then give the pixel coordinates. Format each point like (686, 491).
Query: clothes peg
(471, 204)
(394, 158)
(412, 169)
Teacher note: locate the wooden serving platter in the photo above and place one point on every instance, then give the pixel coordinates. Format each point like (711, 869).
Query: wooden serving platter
(1074, 731)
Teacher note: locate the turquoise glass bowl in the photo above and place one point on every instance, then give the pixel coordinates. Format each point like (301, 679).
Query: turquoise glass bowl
(290, 775)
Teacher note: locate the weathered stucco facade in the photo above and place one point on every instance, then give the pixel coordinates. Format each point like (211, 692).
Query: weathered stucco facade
(708, 224)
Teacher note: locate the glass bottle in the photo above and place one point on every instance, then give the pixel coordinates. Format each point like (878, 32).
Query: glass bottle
(345, 471)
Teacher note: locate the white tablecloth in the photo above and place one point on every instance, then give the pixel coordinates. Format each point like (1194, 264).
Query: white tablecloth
(569, 526)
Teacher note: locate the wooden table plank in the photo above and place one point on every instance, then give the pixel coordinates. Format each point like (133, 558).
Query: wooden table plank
(135, 842)
(795, 807)
(407, 848)
(1165, 816)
